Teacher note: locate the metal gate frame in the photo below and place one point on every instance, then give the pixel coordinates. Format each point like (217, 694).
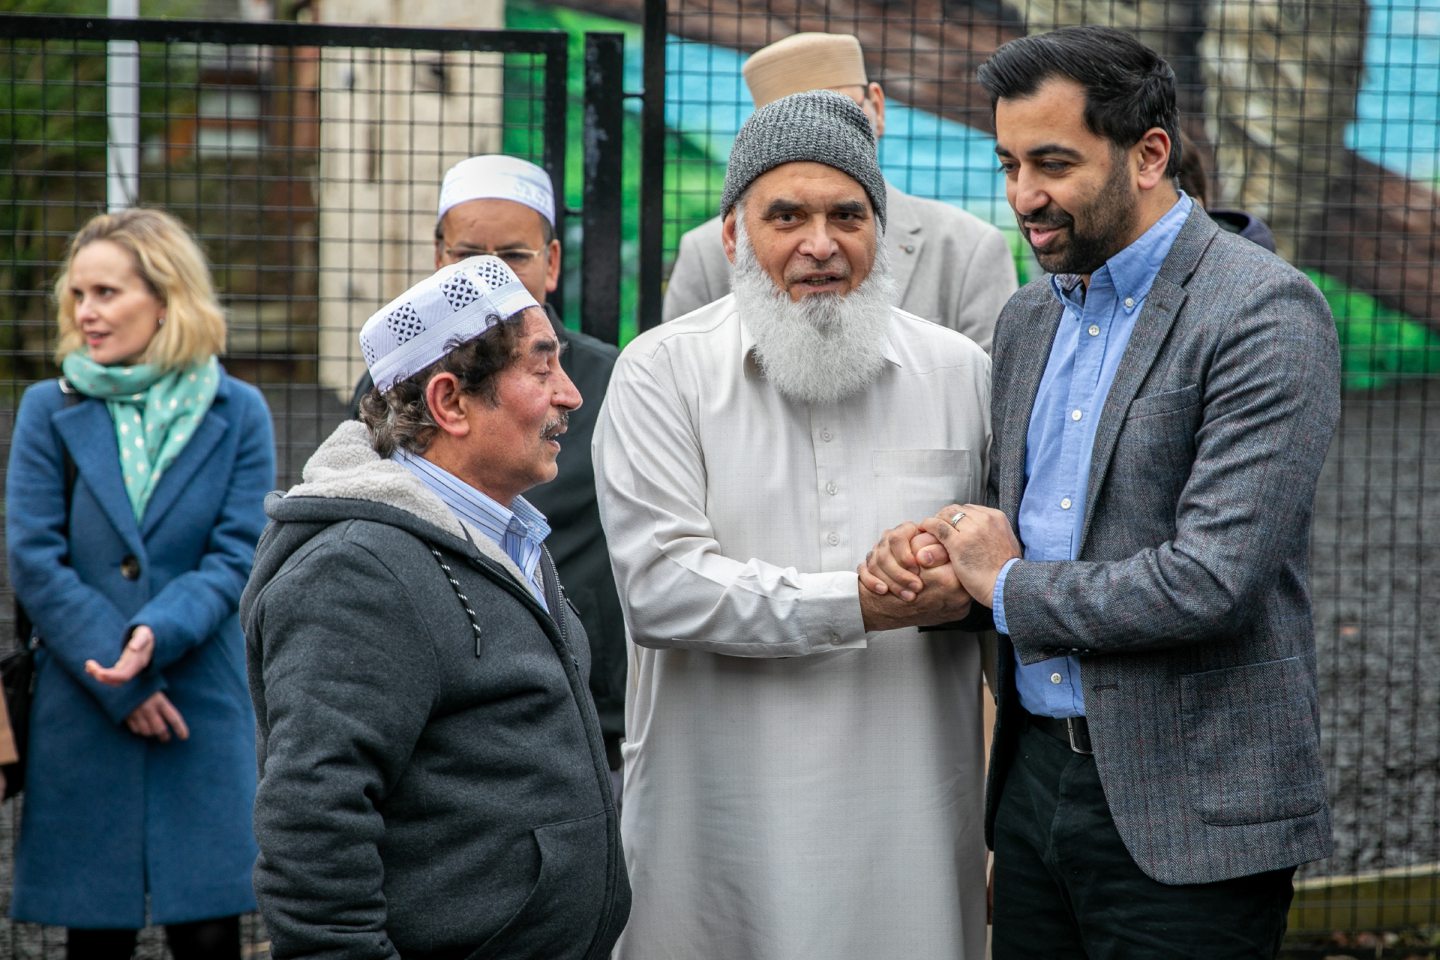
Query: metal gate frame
(603, 114)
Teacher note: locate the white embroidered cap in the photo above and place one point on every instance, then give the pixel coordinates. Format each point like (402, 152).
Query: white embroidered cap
(455, 304)
(495, 176)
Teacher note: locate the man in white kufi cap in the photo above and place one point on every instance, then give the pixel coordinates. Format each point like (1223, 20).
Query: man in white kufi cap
(506, 206)
(432, 772)
(950, 266)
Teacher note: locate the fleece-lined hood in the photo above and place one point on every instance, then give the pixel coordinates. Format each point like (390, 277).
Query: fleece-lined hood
(346, 479)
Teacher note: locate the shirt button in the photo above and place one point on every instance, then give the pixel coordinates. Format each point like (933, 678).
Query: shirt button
(1065, 504)
(834, 638)
(831, 489)
(833, 539)
(1094, 330)
(825, 435)
(1054, 678)
(1129, 302)
(1075, 414)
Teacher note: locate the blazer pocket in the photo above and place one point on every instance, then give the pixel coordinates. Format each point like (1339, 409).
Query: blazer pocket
(1252, 750)
(1156, 404)
(919, 482)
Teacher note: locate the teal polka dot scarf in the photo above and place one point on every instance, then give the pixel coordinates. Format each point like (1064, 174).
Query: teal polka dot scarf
(155, 413)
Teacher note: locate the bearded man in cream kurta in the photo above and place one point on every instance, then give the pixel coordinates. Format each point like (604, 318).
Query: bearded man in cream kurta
(802, 766)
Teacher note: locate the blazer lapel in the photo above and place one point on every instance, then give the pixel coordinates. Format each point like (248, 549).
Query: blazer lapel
(906, 235)
(1152, 329)
(1031, 349)
(179, 475)
(88, 434)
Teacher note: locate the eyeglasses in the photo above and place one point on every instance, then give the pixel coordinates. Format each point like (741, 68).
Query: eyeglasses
(514, 257)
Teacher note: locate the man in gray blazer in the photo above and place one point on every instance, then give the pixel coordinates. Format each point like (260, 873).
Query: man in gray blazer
(949, 265)
(1162, 405)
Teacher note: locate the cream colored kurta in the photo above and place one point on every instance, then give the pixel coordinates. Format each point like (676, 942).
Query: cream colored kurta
(794, 787)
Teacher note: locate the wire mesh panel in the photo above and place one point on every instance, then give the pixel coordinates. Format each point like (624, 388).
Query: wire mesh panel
(1321, 120)
(307, 159)
(309, 170)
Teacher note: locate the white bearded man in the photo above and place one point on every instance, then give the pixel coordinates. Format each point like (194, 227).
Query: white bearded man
(802, 767)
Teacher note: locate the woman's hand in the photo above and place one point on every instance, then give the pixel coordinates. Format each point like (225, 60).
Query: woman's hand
(134, 658)
(157, 717)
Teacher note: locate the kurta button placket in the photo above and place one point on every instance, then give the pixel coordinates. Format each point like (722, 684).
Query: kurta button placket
(832, 506)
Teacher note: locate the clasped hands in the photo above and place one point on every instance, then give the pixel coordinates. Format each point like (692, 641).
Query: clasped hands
(157, 716)
(937, 565)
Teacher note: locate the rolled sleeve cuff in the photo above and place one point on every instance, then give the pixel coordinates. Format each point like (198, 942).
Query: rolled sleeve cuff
(997, 600)
(830, 611)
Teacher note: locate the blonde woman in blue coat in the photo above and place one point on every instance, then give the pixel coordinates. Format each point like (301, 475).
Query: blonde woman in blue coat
(141, 755)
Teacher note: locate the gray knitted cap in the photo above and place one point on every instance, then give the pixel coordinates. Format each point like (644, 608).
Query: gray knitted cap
(820, 126)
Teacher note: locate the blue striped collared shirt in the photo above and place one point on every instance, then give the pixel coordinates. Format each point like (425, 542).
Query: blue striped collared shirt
(520, 530)
(1094, 330)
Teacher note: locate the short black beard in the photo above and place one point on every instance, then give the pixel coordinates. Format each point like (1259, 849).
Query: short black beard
(1109, 220)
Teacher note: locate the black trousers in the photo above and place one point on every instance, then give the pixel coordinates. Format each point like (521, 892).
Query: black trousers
(204, 939)
(1066, 887)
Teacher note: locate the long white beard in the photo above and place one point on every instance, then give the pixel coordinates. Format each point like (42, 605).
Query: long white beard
(824, 348)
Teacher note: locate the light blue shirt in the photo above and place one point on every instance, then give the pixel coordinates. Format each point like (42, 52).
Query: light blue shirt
(1094, 330)
(519, 530)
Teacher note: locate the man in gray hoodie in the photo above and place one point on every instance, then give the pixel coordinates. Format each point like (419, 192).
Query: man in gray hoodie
(432, 776)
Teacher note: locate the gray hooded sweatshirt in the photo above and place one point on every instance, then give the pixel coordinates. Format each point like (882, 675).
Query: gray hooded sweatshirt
(432, 777)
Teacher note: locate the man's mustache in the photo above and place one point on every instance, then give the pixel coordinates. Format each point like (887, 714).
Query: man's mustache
(553, 428)
(1049, 218)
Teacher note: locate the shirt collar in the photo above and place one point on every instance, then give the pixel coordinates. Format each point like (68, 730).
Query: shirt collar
(475, 507)
(1133, 270)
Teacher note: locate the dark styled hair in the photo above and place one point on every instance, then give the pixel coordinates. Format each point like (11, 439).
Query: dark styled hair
(400, 417)
(1129, 88)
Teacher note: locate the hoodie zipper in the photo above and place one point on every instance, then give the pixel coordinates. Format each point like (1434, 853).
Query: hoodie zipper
(555, 596)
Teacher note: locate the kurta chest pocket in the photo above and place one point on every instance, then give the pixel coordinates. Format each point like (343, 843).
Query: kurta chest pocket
(919, 482)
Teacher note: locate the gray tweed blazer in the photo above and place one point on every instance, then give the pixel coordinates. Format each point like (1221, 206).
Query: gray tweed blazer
(1189, 604)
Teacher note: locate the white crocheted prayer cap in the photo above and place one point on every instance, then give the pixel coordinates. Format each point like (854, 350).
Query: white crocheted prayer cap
(494, 176)
(455, 304)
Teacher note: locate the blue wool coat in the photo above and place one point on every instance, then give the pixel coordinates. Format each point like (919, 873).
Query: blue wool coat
(109, 815)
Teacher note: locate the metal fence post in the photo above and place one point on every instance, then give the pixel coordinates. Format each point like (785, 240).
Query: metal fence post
(652, 163)
(603, 139)
(557, 101)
